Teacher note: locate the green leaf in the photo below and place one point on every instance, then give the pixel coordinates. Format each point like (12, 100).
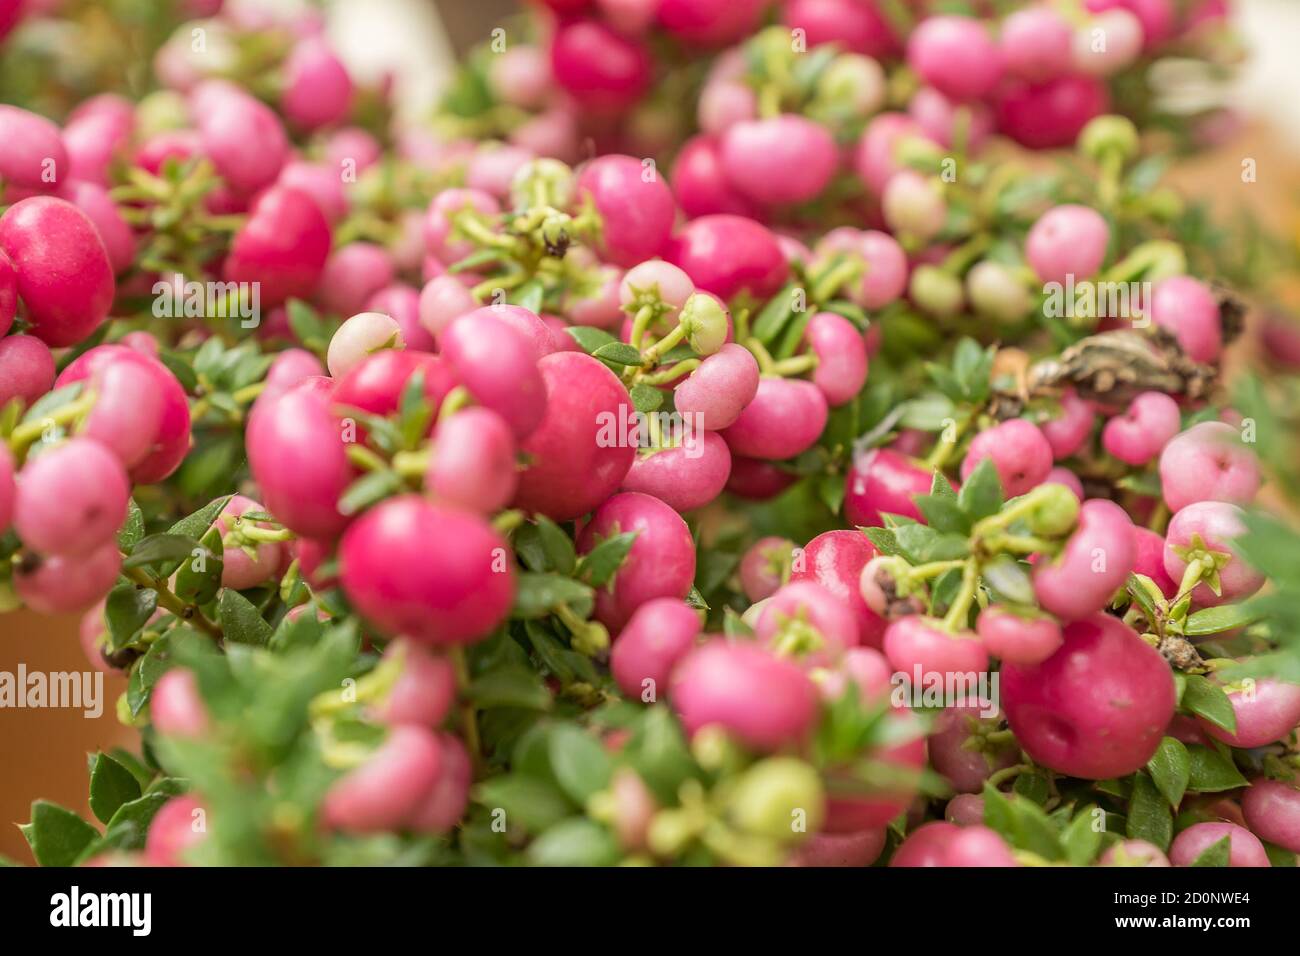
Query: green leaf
(196, 525)
(111, 785)
(241, 623)
(575, 842)
(558, 545)
(133, 529)
(1207, 699)
(658, 752)
(536, 595)
(529, 295)
(146, 671)
(528, 801)
(1022, 823)
(161, 548)
(1081, 838)
(943, 514)
(599, 565)
(646, 398)
(981, 494)
(579, 762)
(200, 586)
(774, 315)
(885, 540)
(510, 686)
(618, 353)
(369, 489)
(56, 835)
(51, 402)
(1148, 814)
(130, 824)
(1211, 772)
(1008, 577)
(1170, 769)
(928, 413)
(1216, 854)
(127, 609)
(590, 339)
(1213, 620)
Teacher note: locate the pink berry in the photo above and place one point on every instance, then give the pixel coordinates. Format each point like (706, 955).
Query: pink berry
(176, 708)
(577, 457)
(1094, 563)
(685, 476)
(352, 274)
(659, 634)
(886, 270)
(1021, 638)
(1019, 451)
(376, 383)
(520, 76)
(70, 498)
(1067, 240)
(1272, 810)
(841, 849)
(841, 357)
(390, 786)
(939, 117)
(499, 367)
(104, 215)
(783, 160)
(317, 90)
(760, 568)
(441, 236)
(955, 54)
(442, 808)
(527, 323)
(785, 419)
(1064, 476)
(1157, 17)
(1208, 462)
(977, 846)
(855, 25)
(402, 303)
(1098, 707)
(598, 67)
(720, 389)
(882, 482)
(1244, 848)
(806, 620)
(724, 104)
(956, 748)
(700, 185)
(1050, 114)
(424, 691)
(757, 480)
(1266, 711)
(1036, 43)
(925, 845)
(636, 207)
(728, 254)
(229, 120)
(360, 336)
(128, 409)
(1068, 431)
(171, 441)
(319, 182)
(1187, 308)
(296, 453)
(178, 826)
(454, 592)
(920, 648)
(65, 279)
(33, 155)
(964, 810)
(282, 245)
(710, 22)
(68, 583)
(1106, 44)
(239, 570)
(764, 701)
(1134, 853)
(834, 560)
(1139, 434)
(661, 562)
(1216, 523)
(1149, 559)
(443, 299)
(656, 279)
(7, 488)
(875, 159)
(473, 463)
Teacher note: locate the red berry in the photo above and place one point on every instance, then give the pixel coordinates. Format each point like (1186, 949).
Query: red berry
(658, 635)
(282, 245)
(835, 559)
(71, 498)
(636, 207)
(726, 254)
(785, 419)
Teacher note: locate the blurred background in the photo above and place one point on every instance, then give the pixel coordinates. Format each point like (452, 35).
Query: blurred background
(43, 752)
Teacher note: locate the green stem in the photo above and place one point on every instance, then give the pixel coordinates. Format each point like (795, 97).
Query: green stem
(364, 458)
(1007, 773)
(468, 714)
(841, 275)
(644, 316)
(167, 599)
(30, 432)
(795, 366)
(671, 372)
(766, 364)
(955, 619)
(652, 355)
